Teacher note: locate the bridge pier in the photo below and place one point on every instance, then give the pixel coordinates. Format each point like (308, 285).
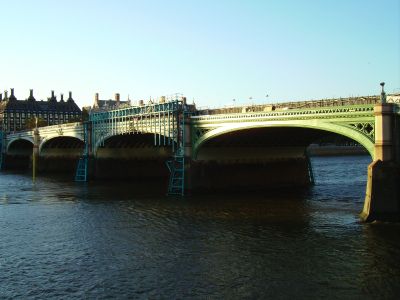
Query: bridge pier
(247, 176)
(382, 199)
(382, 194)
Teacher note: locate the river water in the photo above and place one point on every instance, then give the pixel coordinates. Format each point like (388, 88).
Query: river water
(63, 240)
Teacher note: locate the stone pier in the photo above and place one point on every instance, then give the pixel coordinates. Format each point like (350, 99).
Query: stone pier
(382, 201)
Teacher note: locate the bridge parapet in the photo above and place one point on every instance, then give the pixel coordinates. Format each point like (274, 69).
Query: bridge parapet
(322, 112)
(335, 102)
(46, 133)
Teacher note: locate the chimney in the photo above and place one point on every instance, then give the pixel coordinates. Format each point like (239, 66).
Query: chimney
(31, 95)
(1, 97)
(70, 96)
(96, 100)
(5, 95)
(12, 97)
(52, 98)
(117, 99)
(62, 98)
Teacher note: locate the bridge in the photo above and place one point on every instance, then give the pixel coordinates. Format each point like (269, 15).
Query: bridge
(247, 147)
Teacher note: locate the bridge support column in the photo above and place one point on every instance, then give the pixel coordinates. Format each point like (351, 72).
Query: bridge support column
(188, 157)
(88, 150)
(35, 153)
(382, 201)
(382, 195)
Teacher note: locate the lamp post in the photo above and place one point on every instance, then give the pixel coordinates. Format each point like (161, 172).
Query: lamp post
(383, 94)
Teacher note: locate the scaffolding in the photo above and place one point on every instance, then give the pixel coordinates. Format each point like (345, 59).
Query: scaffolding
(164, 120)
(159, 119)
(81, 174)
(176, 165)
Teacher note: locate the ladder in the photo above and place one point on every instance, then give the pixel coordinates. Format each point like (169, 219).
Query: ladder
(176, 166)
(81, 174)
(81, 170)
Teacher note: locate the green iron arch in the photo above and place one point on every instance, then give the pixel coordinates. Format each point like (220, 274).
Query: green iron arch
(347, 131)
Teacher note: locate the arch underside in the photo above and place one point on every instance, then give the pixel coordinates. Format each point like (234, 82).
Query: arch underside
(22, 146)
(13, 142)
(361, 133)
(132, 141)
(64, 146)
(64, 141)
(134, 146)
(133, 156)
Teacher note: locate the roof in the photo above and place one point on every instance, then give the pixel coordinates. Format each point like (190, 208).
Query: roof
(32, 105)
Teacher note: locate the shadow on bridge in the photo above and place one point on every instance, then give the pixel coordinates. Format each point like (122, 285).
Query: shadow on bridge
(19, 155)
(58, 154)
(132, 156)
(259, 158)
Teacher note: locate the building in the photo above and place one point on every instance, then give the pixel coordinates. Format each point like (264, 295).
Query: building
(101, 105)
(15, 114)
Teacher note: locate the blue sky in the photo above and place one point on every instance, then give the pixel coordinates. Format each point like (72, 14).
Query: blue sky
(211, 51)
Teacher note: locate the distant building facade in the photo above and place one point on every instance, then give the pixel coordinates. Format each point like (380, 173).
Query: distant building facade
(14, 113)
(102, 105)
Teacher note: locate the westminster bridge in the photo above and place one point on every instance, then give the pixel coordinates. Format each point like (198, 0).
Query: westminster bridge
(242, 147)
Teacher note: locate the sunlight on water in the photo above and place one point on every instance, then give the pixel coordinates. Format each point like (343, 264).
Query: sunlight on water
(59, 239)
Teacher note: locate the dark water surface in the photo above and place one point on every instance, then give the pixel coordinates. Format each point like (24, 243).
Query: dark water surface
(63, 240)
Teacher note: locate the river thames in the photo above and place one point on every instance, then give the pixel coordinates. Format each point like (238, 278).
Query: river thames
(60, 239)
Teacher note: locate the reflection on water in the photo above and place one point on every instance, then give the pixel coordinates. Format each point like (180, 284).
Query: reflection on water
(108, 239)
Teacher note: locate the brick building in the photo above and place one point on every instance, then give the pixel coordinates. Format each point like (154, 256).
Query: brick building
(14, 113)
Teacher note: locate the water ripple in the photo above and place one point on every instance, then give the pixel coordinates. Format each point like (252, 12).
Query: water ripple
(64, 240)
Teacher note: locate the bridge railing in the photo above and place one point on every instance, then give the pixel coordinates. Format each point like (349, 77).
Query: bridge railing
(46, 128)
(64, 125)
(291, 105)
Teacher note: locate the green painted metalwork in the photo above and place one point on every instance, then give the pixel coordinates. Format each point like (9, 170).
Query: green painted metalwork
(164, 120)
(81, 170)
(176, 165)
(356, 122)
(159, 119)
(81, 174)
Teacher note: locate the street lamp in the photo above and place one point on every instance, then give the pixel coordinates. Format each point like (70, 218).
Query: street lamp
(383, 94)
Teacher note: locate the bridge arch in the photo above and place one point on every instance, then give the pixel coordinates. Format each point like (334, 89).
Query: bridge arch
(13, 141)
(132, 156)
(72, 138)
(70, 142)
(143, 138)
(347, 131)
